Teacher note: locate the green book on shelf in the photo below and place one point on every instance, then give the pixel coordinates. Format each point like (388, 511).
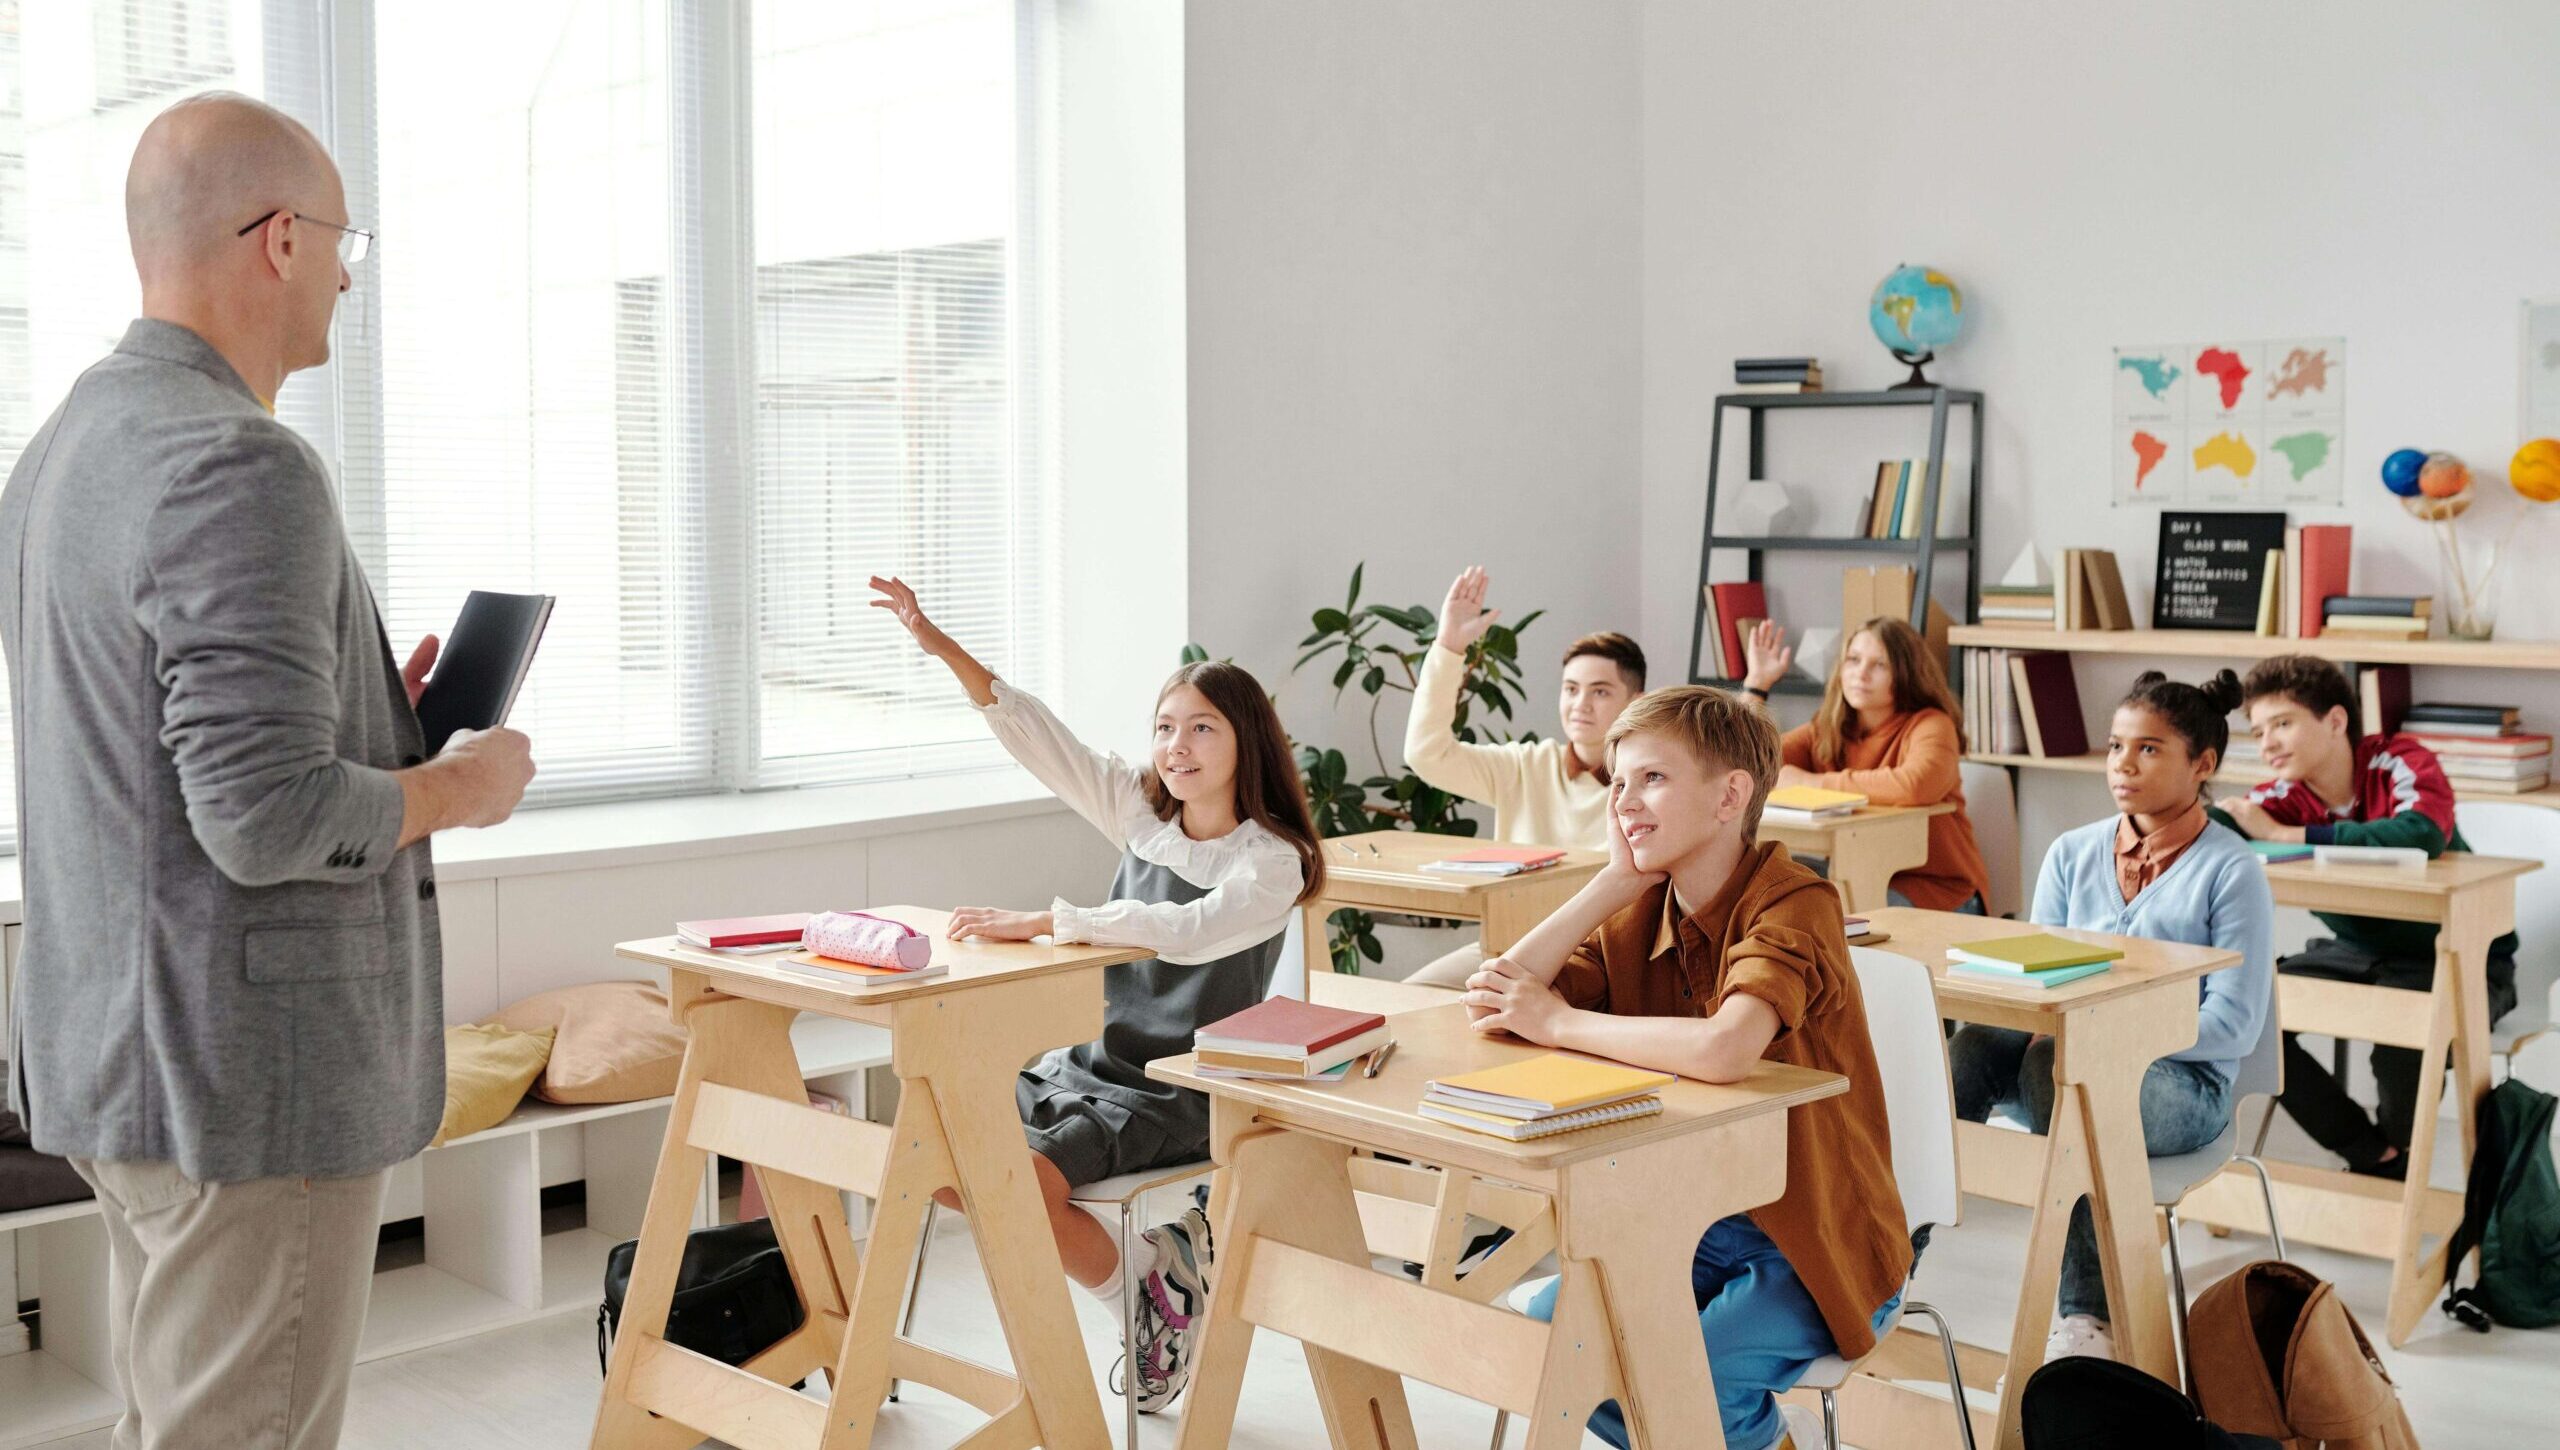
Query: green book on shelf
(2039, 952)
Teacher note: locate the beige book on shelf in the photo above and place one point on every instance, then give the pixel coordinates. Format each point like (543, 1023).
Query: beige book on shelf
(2107, 600)
(2271, 592)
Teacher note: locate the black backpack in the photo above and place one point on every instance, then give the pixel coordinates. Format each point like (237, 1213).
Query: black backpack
(2097, 1404)
(733, 1298)
(2511, 1213)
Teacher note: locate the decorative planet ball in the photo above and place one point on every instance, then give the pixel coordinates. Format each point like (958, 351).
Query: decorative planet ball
(2400, 471)
(2535, 470)
(1915, 311)
(2444, 476)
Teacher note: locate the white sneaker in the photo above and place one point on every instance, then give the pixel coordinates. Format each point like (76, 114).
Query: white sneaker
(2080, 1334)
(1804, 1429)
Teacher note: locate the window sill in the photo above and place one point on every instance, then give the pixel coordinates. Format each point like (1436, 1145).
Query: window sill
(626, 833)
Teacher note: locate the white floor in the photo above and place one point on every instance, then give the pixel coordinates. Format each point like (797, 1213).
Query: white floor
(535, 1386)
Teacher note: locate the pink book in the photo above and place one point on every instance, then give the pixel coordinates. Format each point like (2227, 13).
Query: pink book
(744, 931)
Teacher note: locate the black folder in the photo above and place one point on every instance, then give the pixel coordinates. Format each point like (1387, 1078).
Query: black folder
(483, 664)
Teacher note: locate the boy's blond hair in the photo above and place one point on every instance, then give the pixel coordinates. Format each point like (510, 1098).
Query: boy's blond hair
(1720, 729)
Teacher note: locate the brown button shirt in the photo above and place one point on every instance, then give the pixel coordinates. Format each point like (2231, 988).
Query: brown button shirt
(2141, 859)
(1774, 932)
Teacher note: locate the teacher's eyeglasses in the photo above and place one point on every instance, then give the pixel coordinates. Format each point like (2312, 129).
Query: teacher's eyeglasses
(354, 243)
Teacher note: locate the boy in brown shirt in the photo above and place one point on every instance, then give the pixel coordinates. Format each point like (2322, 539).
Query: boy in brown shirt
(1699, 951)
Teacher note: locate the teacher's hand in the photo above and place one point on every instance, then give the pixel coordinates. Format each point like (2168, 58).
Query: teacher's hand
(413, 675)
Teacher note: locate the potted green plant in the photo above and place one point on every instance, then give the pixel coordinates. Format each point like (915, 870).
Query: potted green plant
(1380, 650)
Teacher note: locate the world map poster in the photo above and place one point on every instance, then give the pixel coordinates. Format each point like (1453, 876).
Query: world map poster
(2252, 423)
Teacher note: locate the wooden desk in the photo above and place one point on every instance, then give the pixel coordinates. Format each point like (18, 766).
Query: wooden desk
(1382, 871)
(955, 1043)
(2107, 1029)
(1864, 849)
(2472, 901)
(1291, 1257)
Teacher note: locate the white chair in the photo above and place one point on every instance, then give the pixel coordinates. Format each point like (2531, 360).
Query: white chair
(1991, 803)
(2260, 1075)
(1125, 1193)
(1920, 1113)
(2505, 828)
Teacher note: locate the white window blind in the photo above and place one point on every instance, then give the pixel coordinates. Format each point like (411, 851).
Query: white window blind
(79, 79)
(692, 313)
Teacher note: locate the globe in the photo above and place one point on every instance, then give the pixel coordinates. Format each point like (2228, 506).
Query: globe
(1914, 312)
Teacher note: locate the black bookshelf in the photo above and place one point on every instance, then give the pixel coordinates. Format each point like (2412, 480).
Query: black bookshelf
(1922, 552)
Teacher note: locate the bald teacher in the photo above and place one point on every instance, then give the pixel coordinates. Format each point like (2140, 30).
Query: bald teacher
(229, 1006)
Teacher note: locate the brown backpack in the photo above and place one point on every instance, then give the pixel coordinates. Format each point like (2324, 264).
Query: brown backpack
(2273, 1352)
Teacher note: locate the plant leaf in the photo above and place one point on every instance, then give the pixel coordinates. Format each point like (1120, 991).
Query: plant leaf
(1353, 602)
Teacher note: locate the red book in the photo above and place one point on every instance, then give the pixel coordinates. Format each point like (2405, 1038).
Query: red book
(2325, 557)
(2049, 703)
(744, 931)
(1734, 604)
(1284, 1027)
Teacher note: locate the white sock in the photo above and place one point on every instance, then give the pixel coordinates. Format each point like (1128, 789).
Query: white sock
(1108, 1291)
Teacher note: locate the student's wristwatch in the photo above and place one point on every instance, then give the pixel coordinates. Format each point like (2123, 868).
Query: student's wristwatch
(1755, 690)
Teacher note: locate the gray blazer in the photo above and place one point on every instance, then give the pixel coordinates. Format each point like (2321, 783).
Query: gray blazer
(228, 964)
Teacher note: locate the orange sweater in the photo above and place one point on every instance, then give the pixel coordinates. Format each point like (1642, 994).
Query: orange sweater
(1912, 761)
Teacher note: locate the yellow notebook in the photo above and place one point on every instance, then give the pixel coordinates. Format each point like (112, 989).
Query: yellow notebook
(1518, 1130)
(1813, 798)
(1550, 1083)
(2040, 952)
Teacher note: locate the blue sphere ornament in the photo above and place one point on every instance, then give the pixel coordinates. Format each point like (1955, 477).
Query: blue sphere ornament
(2400, 471)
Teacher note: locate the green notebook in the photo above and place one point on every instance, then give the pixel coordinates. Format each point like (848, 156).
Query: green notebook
(2273, 851)
(2054, 977)
(2040, 952)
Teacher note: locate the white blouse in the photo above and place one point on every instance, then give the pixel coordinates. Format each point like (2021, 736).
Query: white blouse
(1252, 875)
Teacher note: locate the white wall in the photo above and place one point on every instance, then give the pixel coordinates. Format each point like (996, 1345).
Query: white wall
(1413, 280)
(2096, 177)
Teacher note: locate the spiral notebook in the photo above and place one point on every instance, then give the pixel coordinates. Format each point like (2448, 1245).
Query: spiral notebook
(1519, 1131)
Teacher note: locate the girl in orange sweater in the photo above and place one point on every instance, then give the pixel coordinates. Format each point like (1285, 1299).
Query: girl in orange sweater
(1886, 729)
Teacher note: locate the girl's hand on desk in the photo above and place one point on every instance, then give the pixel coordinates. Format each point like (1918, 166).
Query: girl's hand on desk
(1503, 998)
(986, 923)
(1796, 775)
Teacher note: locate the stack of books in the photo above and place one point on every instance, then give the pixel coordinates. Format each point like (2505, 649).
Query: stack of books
(1777, 375)
(2483, 748)
(2092, 592)
(745, 936)
(2017, 606)
(1809, 805)
(2041, 960)
(1895, 505)
(2376, 616)
(1551, 1093)
(1496, 861)
(2316, 562)
(1732, 608)
(1991, 719)
(2243, 753)
(1288, 1039)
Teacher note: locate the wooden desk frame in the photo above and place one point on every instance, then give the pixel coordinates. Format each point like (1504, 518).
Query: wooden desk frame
(1865, 850)
(2472, 901)
(1293, 1257)
(956, 1043)
(1506, 905)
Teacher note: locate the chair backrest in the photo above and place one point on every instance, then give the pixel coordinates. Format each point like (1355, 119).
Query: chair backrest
(1991, 804)
(2261, 1073)
(2506, 828)
(1919, 1098)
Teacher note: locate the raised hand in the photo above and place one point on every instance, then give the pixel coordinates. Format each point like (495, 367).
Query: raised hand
(1766, 655)
(900, 601)
(1463, 617)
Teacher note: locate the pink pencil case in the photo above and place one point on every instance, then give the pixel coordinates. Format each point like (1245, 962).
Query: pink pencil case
(873, 941)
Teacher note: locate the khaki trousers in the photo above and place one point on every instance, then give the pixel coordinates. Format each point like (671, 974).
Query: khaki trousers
(1452, 971)
(235, 1307)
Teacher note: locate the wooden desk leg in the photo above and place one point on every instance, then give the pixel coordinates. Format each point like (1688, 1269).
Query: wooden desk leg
(1311, 937)
(2458, 1032)
(2104, 1056)
(1292, 1188)
(2065, 1179)
(1864, 859)
(919, 1163)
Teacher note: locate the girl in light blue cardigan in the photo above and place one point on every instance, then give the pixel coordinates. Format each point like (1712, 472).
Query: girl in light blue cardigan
(2159, 870)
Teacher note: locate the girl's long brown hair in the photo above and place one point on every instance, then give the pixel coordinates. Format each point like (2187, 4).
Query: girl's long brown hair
(1268, 789)
(1919, 683)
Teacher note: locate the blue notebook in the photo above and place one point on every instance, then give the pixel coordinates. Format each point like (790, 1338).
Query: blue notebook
(2054, 978)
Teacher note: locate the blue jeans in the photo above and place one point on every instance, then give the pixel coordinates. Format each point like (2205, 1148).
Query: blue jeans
(1970, 906)
(2185, 1105)
(1761, 1327)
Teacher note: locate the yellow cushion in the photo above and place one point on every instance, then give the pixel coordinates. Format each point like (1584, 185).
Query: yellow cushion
(616, 1042)
(486, 1072)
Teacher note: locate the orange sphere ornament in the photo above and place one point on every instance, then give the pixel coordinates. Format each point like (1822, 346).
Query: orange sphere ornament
(2443, 476)
(2535, 470)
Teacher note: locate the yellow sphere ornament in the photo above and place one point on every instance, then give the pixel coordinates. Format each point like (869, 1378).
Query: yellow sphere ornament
(2535, 470)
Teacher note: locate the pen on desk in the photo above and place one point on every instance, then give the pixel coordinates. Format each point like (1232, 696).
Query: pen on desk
(1347, 851)
(1378, 1059)
(1374, 851)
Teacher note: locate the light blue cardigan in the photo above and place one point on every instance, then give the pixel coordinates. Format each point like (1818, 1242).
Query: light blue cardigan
(2214, 894)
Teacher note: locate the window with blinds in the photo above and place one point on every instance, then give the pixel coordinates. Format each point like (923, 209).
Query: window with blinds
(692, 314)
